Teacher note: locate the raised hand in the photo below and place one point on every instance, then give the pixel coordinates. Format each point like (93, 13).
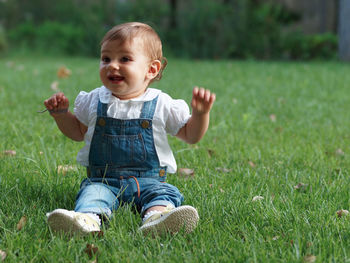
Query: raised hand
(202, 100)
(57, 103)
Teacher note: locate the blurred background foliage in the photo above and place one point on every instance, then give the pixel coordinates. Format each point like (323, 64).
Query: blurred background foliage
(210, 29)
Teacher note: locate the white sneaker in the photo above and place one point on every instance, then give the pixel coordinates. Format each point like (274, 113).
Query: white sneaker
(172, 220)
(70, 222)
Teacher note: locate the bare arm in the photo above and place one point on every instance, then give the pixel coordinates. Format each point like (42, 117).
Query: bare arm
(66, 121)
(197, 125)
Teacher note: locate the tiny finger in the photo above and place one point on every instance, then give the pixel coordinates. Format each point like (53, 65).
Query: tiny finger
(201, 93)
(212, 97)
(207, 95)
(195, 91)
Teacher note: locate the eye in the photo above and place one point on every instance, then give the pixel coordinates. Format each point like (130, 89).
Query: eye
(125, 59)
(105, 59)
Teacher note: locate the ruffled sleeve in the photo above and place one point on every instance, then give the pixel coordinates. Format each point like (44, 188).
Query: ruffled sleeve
(81, 107)
(178, 115)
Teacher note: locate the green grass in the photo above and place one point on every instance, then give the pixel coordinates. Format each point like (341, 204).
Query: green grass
(309, 142)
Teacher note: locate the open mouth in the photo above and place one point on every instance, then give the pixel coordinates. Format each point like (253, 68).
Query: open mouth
(115, 78)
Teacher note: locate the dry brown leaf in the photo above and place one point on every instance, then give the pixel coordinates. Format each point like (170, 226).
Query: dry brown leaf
(3, 255)
(63, 169)
(273, 117)
(21, 223)
(343, 212)
(309, 258)
(252, 164)
(91, 250)
(63, 72)
(54, 86)
(339, 152)
(9, 152)
(20, 67)
(257, 198)
(186, 172)
(301, 187)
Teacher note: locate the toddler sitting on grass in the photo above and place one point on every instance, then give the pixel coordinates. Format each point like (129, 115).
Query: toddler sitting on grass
(124, 125)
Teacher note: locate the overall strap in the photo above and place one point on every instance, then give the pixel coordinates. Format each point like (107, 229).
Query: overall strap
(101, 109)
(148, 109)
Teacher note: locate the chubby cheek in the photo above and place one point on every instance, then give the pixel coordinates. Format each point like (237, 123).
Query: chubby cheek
(103, 75)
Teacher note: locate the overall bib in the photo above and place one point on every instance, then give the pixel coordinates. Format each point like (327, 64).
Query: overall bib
(124, 166)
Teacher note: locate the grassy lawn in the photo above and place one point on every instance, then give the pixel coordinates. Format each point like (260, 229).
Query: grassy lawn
(275, 125)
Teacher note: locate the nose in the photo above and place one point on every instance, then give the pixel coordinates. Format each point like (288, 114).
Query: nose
(113, 65)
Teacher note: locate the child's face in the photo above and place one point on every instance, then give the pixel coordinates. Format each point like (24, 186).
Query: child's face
(125, 68)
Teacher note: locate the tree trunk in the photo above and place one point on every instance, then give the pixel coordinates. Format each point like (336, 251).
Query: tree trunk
(344, 30)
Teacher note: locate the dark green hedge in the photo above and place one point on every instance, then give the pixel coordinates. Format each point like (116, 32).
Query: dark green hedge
(197, 29)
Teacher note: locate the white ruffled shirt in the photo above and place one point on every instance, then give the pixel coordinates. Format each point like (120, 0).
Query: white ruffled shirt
(169, 117)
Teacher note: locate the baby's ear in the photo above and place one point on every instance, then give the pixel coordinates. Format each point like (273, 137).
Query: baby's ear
(153, 69)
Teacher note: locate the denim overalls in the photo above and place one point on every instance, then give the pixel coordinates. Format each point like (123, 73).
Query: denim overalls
(124, 166)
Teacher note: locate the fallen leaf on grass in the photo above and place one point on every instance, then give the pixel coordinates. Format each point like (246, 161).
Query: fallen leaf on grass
(343, 212)
(257, 198)
(3, 255)
(63, 169)
(273, 117)
(186, 172)
(21, 223)
(301, 187)
(91, 250)
(339, 152)
(9, 152)
(251, 164)
(63, 72)
(309, 258)
(54, 86)
(20, 68)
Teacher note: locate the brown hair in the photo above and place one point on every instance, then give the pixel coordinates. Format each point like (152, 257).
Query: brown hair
(151, 41)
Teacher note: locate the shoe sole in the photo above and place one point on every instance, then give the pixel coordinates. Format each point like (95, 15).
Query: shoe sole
(59, 222)
(185, 217)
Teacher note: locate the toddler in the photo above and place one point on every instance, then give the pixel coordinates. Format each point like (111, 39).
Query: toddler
(124, 125)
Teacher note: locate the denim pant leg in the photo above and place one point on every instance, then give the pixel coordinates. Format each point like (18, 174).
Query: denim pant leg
(154, 193)
(96, 198)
